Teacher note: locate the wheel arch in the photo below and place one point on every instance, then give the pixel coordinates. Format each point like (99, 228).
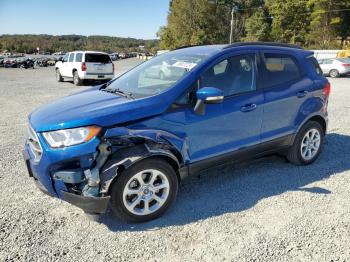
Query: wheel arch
(315, 117)
(124, 158)
(319, 119)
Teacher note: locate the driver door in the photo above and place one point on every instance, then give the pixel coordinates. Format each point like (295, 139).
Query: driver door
(64, 66)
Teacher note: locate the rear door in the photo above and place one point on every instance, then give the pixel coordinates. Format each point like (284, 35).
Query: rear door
(98, 64)
(286, 88)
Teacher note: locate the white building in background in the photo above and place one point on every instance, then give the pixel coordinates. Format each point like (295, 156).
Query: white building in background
(323, 54)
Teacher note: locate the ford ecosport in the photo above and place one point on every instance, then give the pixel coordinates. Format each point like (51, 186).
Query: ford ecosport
(127, 144)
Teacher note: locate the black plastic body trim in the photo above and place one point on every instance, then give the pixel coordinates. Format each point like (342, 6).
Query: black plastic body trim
(93, 205)
(251, 152)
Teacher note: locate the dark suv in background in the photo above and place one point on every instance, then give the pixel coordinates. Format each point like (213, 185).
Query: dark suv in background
(128, 143)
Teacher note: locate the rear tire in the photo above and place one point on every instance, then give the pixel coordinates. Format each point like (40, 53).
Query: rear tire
(307, 144)
(144, 191)
(76, 79)
(334, 73)
(59, 77)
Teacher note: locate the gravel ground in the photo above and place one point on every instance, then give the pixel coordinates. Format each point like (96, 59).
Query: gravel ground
(265, 210)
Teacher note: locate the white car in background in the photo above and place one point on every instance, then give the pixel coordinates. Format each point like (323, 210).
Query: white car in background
(335, 67)
(84, 65)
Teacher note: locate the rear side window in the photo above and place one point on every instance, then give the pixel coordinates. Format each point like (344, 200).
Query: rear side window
(280, 69)
(315, 65)
(328, 61)
(79, 57)
(97, 58)
(71, 57)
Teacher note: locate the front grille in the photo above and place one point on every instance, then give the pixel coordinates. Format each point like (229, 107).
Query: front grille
(34, 144)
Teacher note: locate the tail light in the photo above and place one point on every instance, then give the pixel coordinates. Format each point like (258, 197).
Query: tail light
(327, 89)
(83, 67)
(346, 65)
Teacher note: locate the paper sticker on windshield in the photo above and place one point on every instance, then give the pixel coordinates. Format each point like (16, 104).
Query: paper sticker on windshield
(185, 65)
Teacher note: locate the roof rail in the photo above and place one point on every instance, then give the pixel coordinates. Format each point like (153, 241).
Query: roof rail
(262, 43)
(185, 46)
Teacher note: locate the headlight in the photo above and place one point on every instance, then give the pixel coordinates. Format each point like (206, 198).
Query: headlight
(70, 137)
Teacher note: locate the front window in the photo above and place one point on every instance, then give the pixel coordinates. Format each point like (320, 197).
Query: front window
(234, 75)
(156, 75)
(65, 58)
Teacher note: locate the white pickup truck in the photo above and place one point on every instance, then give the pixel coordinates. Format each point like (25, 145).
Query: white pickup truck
(84, 65)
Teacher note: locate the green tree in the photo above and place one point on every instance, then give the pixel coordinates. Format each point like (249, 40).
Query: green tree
(258, 26)
(193, 22)
(290, 20)
(330, 20)
(49, 43)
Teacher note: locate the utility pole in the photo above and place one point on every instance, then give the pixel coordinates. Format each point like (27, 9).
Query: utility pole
(234, 11)
(233, 15)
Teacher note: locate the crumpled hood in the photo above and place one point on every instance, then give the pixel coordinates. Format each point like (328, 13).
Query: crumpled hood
(92, 107)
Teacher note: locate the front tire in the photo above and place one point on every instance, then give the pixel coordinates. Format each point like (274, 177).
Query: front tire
(307, 144)
(76, 79)
(59, 77)
(144, 191)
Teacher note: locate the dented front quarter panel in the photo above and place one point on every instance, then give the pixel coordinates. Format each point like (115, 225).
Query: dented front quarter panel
(156, 143)
(157, 136)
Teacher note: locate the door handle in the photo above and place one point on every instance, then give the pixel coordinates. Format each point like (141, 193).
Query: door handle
(248, 108)
(301, 94)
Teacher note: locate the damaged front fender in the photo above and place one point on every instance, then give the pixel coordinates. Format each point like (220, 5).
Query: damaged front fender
(152, 143)
(179, 143)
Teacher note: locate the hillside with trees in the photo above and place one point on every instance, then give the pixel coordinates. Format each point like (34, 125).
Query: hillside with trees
(310, 23)
(49, 43)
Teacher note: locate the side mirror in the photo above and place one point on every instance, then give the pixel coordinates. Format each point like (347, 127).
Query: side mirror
(207, 95)
(60, 59)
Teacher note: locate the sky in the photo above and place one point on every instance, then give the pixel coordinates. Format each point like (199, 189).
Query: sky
(124, 18)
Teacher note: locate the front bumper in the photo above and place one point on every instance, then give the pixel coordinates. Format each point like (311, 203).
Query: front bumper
(40, 172)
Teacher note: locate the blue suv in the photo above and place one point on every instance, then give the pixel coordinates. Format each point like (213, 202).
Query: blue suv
(128, 143)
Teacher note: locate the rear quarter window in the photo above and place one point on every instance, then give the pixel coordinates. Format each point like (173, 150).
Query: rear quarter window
(280, 69)
(315, 65)
(97, 58)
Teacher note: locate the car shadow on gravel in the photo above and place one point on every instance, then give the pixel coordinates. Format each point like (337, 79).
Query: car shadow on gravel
(238, 187)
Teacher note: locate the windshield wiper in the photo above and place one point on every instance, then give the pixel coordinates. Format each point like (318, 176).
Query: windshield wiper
(118, 92)
(104, 86)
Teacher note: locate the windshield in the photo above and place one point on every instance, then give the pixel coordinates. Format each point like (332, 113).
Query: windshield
(156, 75)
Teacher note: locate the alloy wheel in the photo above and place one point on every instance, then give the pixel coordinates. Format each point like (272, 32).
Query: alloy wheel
(310, 144)
(146, 192)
